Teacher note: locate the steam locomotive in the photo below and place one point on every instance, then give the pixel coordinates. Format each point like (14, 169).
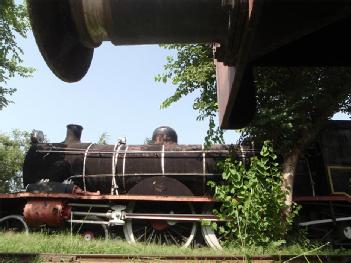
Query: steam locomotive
(157, 193)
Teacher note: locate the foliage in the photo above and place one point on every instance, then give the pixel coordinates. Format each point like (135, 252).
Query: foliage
(192, 71)
(103, 139)
(253, 200)
(148, 140)
(12, 152)
(13, 22)
(294, 103)
(291, 101)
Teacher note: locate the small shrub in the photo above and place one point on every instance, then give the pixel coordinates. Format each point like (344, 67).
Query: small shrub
(252, 200)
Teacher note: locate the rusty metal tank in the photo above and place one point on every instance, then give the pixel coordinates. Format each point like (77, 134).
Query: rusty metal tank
(117, 168)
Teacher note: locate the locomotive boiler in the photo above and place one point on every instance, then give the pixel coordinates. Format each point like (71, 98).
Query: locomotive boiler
(122, 168)
(157, 192)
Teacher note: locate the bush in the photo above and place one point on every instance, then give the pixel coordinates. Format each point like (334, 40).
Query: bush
(12, 152)
(252, 200)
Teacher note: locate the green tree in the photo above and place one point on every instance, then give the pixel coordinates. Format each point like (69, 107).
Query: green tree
(13, 23)
(12, 152)
(148, 140)
(293, 104)
(192, 71)
(103, 139)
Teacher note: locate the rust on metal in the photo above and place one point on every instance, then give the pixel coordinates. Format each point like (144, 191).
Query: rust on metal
(46, 212)
(78, 191)
(323, 198)
(236, 95)
(25, 195)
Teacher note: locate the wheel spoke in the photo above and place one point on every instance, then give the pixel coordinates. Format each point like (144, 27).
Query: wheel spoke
(142, 235)
(182, 237)
(173, 238)
(150, 237)
(137, 230)
(166, 239)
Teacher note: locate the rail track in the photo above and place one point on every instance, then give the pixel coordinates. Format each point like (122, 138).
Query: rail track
(104, 258)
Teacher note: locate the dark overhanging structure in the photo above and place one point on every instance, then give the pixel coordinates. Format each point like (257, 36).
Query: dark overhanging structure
(245, 33)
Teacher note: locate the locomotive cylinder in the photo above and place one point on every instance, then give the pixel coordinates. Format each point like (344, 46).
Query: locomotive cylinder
(46, 212)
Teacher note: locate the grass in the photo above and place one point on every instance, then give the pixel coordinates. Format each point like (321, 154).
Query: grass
(63, 243)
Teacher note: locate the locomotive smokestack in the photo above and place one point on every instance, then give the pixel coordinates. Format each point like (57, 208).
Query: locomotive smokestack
(74, 133)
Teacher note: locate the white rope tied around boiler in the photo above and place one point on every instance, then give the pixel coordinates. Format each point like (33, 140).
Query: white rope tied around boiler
(84, 164)
(163, 159)
(124, 166)
(204, 165)
(114, 186)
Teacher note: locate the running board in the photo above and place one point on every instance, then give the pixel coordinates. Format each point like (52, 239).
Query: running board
(324, 221)
(172, 217)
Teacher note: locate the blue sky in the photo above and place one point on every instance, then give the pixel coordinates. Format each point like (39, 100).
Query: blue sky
(118, 96)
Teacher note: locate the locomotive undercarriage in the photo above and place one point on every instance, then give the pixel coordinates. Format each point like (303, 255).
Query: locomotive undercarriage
(326, 218)
(170, 220)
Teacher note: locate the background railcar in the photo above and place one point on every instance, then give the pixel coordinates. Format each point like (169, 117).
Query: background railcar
(323, 185)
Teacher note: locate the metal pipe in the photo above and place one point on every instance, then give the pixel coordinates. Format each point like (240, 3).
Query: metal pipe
(324, 221)
(78, 213)
(67, 31)
(128, 22)
(174, 217)
(89, 205)
(88, 222)
(147, 174)
(128, 152)
(88, 16)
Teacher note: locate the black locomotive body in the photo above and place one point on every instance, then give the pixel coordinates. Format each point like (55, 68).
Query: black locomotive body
(116, 169)
(161, 187)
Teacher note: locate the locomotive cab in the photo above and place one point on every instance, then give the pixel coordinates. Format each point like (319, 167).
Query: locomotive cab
(325, 167)
(323, 185)
(336, 145)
